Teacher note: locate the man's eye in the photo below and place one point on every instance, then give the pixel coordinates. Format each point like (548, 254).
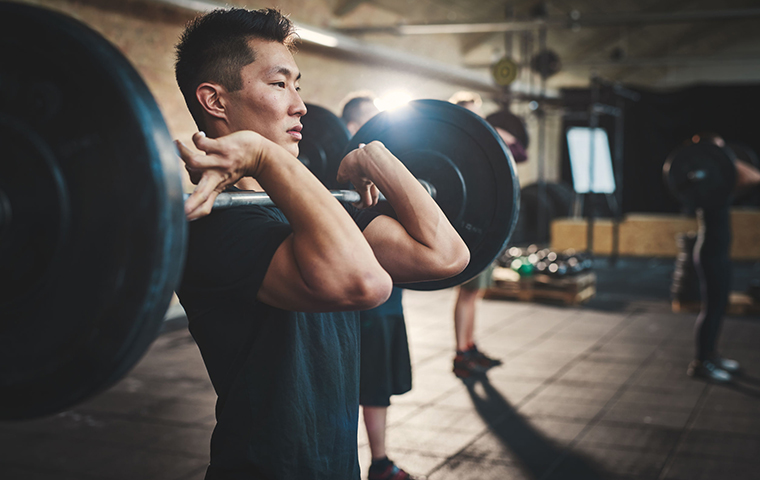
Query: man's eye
(279, 84)
(298, 89)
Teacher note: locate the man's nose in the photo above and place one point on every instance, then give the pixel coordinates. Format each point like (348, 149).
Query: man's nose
(298, 108)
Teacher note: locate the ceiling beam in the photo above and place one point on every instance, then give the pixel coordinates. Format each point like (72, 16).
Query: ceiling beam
(574, 20)
(342, 7)
(365, 52)
(653, 62)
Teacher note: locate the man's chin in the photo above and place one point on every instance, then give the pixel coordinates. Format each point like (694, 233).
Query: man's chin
(293, 149)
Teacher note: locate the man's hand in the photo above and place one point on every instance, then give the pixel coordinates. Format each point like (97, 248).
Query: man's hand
(222, 163)
(353, 169)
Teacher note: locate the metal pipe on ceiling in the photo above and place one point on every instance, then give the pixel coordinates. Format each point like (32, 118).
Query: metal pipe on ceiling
(654, 62)
(574, 20)
(363, 51)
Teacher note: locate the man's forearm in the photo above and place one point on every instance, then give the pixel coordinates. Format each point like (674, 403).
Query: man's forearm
(415, 209)
(327, 245)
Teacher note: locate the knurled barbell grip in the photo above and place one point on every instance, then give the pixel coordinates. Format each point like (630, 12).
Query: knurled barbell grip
(237, 199)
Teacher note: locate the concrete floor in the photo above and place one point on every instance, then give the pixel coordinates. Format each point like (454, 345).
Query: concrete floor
(583, 394)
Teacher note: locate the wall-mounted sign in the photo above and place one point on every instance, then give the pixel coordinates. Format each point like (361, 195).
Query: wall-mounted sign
(504, 71)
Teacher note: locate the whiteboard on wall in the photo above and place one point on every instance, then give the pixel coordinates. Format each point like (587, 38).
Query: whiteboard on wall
(579, 145)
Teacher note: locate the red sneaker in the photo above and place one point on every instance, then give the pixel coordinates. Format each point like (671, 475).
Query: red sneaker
(392, 472)
(473, 362)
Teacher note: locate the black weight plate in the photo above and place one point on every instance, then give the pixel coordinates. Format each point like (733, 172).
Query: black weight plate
(36, 220)
(87, 150)
(701, 175)
(321, 148)
(469, 165)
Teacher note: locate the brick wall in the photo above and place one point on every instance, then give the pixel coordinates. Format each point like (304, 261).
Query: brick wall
(146, 34)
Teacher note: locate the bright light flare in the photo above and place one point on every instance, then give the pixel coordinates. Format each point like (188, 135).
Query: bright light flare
(392, 100)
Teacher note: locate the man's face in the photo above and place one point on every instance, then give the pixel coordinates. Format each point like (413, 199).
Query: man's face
(269, 102)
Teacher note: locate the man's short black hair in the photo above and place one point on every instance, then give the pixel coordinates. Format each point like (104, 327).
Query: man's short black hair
(214, 48)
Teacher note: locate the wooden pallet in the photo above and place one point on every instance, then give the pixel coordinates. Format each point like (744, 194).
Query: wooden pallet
(739, 304)
(572, 290)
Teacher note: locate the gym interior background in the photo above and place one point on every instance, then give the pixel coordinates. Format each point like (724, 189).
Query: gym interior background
(652, 74)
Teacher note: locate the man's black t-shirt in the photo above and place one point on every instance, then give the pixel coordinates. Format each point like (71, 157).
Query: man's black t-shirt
(287, 382)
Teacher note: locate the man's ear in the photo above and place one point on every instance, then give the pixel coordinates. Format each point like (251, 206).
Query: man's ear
(212, 99)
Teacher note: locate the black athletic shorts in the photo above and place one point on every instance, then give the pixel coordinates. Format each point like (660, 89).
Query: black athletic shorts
(385, 365)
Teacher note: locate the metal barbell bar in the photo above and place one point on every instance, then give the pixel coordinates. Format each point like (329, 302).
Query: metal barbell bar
(246, 197)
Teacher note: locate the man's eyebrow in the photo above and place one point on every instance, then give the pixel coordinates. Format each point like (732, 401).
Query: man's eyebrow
(284, 71)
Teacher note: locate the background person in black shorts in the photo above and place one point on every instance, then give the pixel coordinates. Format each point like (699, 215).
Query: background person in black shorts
(386, 368)
(271, 293)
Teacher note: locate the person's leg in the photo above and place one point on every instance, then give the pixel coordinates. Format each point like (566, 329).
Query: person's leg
(713, 265)
(715, 275)
(375, 421)
(464, 318)
(468, 359)
(382, 468)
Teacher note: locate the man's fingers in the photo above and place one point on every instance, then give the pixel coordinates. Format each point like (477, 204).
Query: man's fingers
(208, 188)
(375, 195)
(203, 209)
(193, 160)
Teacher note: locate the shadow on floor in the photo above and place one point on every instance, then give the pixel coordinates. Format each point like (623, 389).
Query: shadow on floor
(745, 384)
(538, 456)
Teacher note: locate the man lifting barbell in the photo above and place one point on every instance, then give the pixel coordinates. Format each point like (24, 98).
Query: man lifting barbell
(287, 381)
(99, 283)
(705, 175)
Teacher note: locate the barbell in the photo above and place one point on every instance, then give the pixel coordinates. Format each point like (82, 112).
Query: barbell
(92, 225)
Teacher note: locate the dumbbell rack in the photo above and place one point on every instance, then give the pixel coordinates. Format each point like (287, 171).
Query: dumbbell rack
(571, 290)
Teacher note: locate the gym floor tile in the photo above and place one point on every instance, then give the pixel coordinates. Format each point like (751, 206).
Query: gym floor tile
(22, 473)
(634, 437)
(676, 400)
(118, 402)
(178, 410)
(732, 400)
(609, 386)
(192, 441)
(529, 450)
(461, 469)
(745, 447)
(429, 441)
(538, 407)
(705, 468)
(727, 423)
(446, 419)
(156, 466)
(612, 374)
(577, 392)
(641, 414)
(624, 461)
(523, 369)
(619, 349)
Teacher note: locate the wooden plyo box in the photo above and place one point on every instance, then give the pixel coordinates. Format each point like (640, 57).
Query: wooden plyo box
(654, 235)
(571, 290)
